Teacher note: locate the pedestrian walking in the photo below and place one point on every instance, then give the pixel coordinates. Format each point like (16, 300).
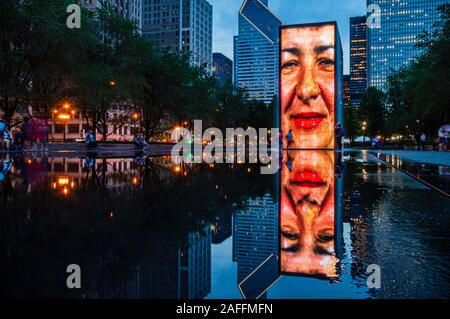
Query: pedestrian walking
(339, 136)
(375, 143)
(90, 140)
(423, 139)
(447, 141)
(382, 141)
(417, 139)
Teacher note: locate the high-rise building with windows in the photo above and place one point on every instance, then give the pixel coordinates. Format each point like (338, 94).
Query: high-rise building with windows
(346, 99)
(256, 50)
(130, 9)
(391, 46)
(180, 25)
(255, 234)
(358, 60)
(222, 68)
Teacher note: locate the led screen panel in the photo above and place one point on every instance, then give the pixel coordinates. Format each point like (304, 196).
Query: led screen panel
(307, 214)
(310, 62)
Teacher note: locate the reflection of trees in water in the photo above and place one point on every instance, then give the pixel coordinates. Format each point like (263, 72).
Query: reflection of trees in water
(117, 234)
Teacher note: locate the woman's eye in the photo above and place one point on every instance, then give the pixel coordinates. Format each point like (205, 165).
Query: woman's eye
(290, 235)
(326, 62)
(326, 237)
(290, 64)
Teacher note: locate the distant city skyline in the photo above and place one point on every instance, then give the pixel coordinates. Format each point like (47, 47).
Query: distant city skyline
(225, 19)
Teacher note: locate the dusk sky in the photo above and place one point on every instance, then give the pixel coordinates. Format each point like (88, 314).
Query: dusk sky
(225, 19)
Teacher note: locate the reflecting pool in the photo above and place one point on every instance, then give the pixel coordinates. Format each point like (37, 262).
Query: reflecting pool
(145, 227)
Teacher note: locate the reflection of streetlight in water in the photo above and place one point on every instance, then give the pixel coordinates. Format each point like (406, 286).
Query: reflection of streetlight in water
(63, 184)
(134, 181)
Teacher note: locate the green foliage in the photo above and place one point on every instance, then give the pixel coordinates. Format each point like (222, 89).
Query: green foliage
(420, 91)
(107, 64)
(373, 110)
(37, 52)
(351, 121)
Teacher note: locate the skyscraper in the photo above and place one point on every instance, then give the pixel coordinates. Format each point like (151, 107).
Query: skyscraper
(346, 90)
(180, 25)
(222, 68)
(130, 9)
(358, 59)
(392, 45)
(255, 234)
(256, 50)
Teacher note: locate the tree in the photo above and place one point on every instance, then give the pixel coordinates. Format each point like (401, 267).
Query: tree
(373, 110)
(104, 78)
(351, 121)
(419, 91)
(36, 53)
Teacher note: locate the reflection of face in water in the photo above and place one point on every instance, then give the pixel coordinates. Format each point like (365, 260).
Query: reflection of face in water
(307, 74)
(307, 213)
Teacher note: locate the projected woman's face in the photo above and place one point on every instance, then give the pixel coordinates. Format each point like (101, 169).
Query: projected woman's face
(307, 89)
(307, 213)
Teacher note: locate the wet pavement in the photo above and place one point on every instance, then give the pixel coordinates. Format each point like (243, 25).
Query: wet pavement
(436, 175)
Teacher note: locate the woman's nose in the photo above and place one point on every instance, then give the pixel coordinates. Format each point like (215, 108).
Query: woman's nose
(307, 87)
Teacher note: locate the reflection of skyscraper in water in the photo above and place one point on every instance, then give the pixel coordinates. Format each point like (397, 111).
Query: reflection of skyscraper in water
(195, 267)
(254, 234)
(178, 272)
(221, 228)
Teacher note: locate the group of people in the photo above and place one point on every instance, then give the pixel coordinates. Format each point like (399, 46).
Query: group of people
(32, 135)
(441, 143)
(378, 143)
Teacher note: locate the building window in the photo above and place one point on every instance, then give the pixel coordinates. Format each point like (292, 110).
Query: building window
(58, 128)
(73, 128)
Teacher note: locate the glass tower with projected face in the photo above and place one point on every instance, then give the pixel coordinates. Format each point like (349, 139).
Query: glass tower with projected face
(392, 45)
(256, 51)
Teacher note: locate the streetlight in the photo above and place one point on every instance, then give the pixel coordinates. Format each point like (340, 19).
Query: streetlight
(364, 132)
(64, 114)
(135, 116)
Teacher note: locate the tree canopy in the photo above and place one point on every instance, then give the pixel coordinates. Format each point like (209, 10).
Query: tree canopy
(105, 65)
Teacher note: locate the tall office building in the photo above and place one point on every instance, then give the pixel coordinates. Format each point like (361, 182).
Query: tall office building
(222, 68)
(180, 25)
(392, 45)
(256, 50)
(255, 234)
(358, 59)
(130, 9)
(346, 99)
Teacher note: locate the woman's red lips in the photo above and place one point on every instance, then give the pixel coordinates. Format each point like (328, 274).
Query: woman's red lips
(307, 120)
(308, 179)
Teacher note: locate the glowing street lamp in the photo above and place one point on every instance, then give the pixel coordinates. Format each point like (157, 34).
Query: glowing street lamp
(135, 116)
(364, 133)
(64, 114)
